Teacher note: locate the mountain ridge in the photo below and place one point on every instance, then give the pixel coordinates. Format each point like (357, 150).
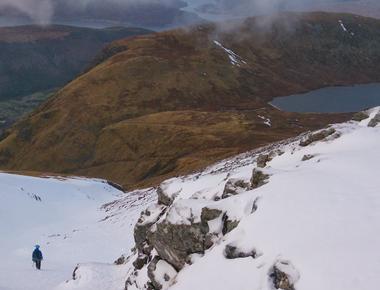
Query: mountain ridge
(101, 123)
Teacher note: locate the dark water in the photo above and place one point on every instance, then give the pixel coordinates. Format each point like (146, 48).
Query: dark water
(332, 99)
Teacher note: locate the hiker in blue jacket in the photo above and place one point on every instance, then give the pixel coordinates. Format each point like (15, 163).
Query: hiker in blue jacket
(37, 257)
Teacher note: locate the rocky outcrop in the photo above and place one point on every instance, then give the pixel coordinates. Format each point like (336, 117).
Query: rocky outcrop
(258, 178)
(360, 116)
(317, 137)
(174, 242)
(234, 186)
(374, 121)
(149, 217)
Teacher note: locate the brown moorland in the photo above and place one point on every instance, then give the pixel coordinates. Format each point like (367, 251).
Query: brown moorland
(161, 105)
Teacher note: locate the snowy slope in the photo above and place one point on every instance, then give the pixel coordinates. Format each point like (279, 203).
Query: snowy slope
(311, 223)
(68, 219)
(314, 225)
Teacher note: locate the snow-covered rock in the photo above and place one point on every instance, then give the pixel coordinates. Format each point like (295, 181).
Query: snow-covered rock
(309, 225)
(309, 218)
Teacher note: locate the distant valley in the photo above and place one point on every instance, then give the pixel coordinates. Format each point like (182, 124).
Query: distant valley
(34, 61)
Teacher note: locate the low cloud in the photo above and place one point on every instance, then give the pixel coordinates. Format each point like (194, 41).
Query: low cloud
(39, 11)
(43, 11)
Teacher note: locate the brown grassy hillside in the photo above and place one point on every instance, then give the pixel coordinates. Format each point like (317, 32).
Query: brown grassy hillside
(35, 58)
(169, 103)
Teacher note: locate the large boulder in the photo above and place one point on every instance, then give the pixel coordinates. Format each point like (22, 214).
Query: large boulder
(174, 242)
(317, 137)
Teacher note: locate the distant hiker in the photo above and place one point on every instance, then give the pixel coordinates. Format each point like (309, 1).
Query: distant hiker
(37, 257)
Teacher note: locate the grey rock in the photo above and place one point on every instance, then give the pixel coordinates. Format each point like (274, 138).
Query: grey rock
(142, 228)
(163, 198)
(120, 261)
(175, 242)
(263, 159)
(258, 178)
(307, 157)
(151, 269)
(209, 214)
(140, 261)
(140, 234)
(281, 280)
(360, 116)
(234, 186)
(209, 241)
(375, 121)
(228, 224)
(317, 137)
(233, 252)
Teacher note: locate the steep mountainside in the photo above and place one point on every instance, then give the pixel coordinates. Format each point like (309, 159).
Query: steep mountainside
(37, 58)
(168, 103)
(301, 214)
(35, 61)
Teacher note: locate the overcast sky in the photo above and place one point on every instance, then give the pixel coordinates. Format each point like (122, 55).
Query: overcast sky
(42, 11)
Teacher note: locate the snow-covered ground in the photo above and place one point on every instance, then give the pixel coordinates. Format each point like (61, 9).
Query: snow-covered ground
(314, 224)
(68, 219)
(317, 219)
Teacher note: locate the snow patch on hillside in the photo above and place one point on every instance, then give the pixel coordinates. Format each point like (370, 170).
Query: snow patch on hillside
(234, 58)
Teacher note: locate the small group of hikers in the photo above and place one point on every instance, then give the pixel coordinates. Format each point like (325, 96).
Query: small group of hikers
(37, 257)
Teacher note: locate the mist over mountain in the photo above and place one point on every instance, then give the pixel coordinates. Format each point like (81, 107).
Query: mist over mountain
(147, 13)
(160, 14)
